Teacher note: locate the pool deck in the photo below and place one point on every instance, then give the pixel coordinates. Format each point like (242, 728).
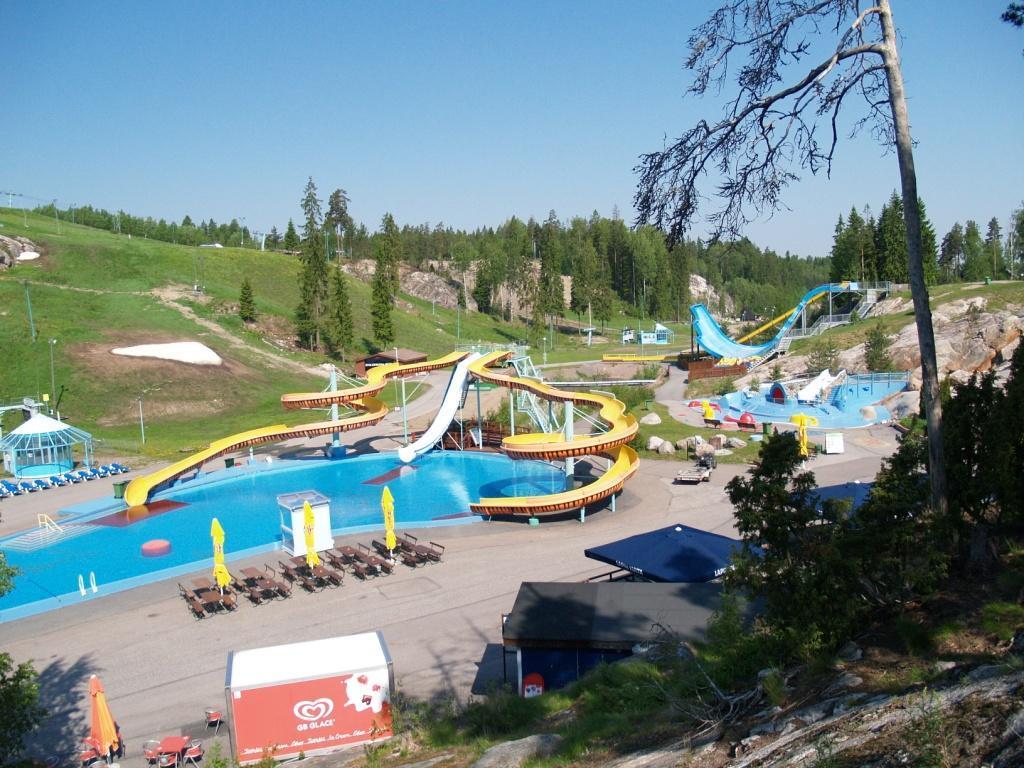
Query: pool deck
(161, 667)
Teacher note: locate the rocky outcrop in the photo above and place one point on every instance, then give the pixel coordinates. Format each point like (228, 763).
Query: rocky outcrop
(12, 247)
(701, 292)
(429, 286)
(512, 754)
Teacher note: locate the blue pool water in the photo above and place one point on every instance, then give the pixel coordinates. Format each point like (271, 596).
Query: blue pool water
(436, 489)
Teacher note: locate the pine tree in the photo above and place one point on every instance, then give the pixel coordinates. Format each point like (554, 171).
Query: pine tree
(994, 249)
(273, 238)
(291, 237)
(344, 332)
(388, 252)
(337, 219)
(952, 254)
(891, 242)
(976, 266)
(382, 301)
(929, 246)
(246, 305)
(876, 350)
(314, 279)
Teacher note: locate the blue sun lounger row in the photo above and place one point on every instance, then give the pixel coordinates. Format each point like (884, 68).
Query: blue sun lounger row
(19, 487)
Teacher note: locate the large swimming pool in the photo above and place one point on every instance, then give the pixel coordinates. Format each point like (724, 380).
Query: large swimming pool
(103, 542)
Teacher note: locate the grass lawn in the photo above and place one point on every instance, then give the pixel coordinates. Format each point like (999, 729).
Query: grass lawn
(673, 430)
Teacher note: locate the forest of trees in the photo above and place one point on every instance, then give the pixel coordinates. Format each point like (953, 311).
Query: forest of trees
(866, 248)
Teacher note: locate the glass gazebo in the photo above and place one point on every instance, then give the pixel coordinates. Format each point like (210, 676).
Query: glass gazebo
(43, 446)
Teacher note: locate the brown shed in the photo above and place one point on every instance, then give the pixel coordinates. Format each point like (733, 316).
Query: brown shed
(385, 356)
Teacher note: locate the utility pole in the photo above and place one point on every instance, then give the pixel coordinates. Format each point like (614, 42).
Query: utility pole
(53, 381)
(28, 301)
(142, 423)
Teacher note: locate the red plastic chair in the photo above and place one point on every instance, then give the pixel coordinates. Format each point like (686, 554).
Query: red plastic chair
(89, 754)
(214, 717)
(169, 760)
(151, 751)
(194, 752)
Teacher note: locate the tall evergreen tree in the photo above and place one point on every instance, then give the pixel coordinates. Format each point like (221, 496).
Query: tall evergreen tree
(273, 238)
(976, 266)
(344, 331)
(314, 283)
(550, 251)
(388, 247)
(994, 249)
(337, 219)
(291, 237)
(951, 257)
(891, 241)
(246, 304)
(929, 246)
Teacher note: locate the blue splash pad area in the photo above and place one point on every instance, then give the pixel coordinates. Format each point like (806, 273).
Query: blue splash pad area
(103, 539)
(841, 410)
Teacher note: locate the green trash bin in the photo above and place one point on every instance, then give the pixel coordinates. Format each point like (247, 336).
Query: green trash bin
(988, 281)
(229, 462)
(119, 487)
(766, 428)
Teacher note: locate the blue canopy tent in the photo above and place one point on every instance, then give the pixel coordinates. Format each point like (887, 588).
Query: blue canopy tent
(678, 553)
(42, 447)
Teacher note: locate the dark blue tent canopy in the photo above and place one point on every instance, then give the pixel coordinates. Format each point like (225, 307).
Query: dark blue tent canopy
(678, 553)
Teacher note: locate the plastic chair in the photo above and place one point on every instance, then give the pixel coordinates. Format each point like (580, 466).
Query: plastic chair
(194, 752)
(150, 750)
(168, 760)
(89, 754)
(214, 717)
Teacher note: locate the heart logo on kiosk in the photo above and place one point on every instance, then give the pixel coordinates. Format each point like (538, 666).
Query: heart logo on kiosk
(313, 710)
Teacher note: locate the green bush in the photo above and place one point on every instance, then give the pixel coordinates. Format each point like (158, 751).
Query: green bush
(501, 713)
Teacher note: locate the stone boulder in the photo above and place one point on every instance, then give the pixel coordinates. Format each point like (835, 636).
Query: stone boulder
(717, 441)
(903, 404)
(12, 247)
(735, 442)
(651, 419)
(684, 444)
(512, 754)
(723, 452)
(654, 443)
(666, 448)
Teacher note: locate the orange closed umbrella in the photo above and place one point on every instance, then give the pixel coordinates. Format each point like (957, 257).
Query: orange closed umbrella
(102, 733)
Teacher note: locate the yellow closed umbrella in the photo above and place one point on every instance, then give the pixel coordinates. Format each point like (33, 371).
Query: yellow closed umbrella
(220, 571)
(102, 730)
(308, 527)
(387, 504)
(803, 421)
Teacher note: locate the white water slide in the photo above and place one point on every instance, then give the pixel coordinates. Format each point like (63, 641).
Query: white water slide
(819, 384)
(449, 406)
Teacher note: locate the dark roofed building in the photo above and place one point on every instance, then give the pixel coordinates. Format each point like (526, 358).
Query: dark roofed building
(385, 356)
(559, 631)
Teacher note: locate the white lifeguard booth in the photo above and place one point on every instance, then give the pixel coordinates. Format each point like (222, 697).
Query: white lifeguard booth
(293, 535)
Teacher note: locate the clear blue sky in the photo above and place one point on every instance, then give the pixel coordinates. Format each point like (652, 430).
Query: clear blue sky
(462, 112)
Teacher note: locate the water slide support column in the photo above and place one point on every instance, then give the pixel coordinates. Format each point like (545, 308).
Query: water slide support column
(511, 411)
(335, 436)
(570, 462)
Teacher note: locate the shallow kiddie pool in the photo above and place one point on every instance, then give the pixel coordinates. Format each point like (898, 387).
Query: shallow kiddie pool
(104, 543)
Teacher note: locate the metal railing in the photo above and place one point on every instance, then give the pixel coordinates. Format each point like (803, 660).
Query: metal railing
(45, 521)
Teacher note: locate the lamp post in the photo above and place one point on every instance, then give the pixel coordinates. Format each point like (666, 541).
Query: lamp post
(142, 423)
(405, 416)
(53, 380)
(545, 348)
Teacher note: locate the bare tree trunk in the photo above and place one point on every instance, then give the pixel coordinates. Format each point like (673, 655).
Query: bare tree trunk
(922, 311)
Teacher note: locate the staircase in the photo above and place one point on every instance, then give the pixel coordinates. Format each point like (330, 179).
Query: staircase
(45, 536)
(526, 402)
(867, 304)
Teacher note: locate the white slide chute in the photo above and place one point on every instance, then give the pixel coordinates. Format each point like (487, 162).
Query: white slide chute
(449, 406)
(819, 384)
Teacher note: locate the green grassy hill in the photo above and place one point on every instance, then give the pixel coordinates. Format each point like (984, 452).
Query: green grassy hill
(94, 290)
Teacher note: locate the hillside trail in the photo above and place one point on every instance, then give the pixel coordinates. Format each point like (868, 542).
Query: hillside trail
(170, 296)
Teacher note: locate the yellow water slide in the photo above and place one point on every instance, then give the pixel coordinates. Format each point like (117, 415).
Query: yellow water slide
(546, 446)
(363, 397)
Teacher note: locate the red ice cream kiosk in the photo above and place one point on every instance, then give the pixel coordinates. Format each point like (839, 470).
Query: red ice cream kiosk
(313, 697)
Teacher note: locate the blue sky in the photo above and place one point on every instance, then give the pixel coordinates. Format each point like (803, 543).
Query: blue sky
(462, 112)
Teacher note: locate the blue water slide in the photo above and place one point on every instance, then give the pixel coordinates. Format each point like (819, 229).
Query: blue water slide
(719, 344)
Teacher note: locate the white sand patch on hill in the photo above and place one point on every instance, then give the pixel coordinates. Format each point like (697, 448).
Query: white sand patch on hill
(180, 351)
(28, 256)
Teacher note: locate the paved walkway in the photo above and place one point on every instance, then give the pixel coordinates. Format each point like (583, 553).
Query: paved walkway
(161, 667)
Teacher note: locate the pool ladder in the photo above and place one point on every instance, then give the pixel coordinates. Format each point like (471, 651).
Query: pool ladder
(46, 522)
